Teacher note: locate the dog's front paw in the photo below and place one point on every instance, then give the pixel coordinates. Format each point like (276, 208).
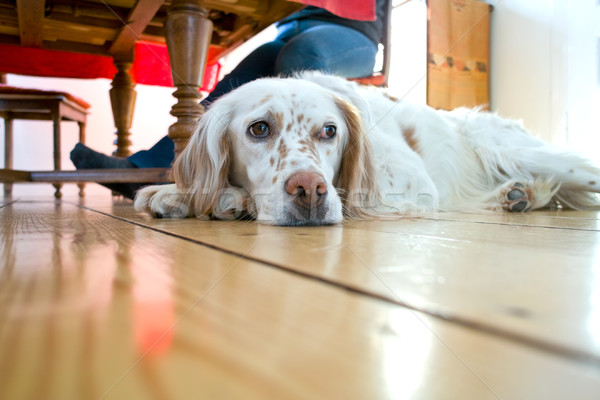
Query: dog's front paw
(162, 201)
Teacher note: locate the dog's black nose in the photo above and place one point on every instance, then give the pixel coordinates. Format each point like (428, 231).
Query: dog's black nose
(309, 189)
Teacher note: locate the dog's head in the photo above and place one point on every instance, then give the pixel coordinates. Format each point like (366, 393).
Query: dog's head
(284, 151)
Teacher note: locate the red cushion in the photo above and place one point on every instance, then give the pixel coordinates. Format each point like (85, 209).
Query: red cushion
(376, 79)
(5, 89)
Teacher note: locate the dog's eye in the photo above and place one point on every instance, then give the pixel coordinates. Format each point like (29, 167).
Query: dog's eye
(328, 132)
(259, 129)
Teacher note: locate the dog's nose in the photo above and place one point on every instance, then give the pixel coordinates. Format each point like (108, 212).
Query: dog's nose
(309, 189)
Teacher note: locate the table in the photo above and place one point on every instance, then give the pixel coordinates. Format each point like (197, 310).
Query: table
(195, 32)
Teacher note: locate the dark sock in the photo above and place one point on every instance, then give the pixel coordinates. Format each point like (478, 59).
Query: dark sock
(85, 158)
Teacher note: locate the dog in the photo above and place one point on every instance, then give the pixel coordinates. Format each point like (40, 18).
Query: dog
(314, 149)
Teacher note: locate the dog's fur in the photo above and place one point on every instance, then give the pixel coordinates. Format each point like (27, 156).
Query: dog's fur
(385, 158)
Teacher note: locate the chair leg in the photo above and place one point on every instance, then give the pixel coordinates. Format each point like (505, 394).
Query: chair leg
(81, 140)
(56, 121)
(8, 151)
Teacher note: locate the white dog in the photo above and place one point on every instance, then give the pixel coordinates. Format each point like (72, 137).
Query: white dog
(314, 149)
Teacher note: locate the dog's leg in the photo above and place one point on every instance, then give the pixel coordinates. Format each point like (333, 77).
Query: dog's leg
(163, 201)
(577, 177)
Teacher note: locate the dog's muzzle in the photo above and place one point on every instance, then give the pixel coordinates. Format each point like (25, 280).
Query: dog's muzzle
(308, 191)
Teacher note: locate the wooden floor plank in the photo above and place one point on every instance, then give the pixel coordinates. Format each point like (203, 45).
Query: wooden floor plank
(561, 219)
(532, 283)
(96, 307)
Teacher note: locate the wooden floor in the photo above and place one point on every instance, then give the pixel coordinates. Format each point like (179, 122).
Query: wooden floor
(99, 302)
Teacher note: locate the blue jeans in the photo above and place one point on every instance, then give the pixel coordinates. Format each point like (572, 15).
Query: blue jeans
(300, 45)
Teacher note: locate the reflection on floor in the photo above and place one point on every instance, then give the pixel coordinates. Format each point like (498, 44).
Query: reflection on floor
(99, 302)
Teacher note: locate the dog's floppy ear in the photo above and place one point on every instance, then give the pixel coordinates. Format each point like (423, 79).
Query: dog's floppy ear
(202, 169)
(357, 173)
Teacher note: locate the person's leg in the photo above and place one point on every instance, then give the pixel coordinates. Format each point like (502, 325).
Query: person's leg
(330, 48)
(258, 64)
(158, 156)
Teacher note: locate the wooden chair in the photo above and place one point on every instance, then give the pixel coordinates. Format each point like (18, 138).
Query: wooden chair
(33, 104)
(380, 78)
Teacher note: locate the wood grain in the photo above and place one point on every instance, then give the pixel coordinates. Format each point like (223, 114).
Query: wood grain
(139, 18)
(88, 175)
(97, 307)
(31, 22)
(532, 284)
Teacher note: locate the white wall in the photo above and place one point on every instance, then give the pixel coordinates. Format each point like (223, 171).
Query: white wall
(545, 69)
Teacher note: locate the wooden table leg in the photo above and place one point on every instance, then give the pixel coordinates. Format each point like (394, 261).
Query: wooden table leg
(8, 150)
(81, 140)
(56, 120)
(188, 34)
(122, 99)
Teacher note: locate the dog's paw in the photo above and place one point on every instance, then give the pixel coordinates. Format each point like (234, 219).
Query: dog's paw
(162, 201)
(518, 198)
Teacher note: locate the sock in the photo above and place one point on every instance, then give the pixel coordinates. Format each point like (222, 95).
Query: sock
(85, 158)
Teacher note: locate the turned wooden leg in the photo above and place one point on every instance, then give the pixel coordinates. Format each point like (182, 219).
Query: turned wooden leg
(8, 150)
(188, 34)
(56, 119)
(81, 140)
(122, 99)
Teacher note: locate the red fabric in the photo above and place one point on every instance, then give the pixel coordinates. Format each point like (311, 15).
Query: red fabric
(150, 67)
(363, 10)
(151, 63)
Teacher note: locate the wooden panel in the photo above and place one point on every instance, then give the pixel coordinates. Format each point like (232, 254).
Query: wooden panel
(564, 219)
(31, 17)
(458, 54)
(88, 175)
(535, 285)
(76, 32)
(138, 19)
(95, 307)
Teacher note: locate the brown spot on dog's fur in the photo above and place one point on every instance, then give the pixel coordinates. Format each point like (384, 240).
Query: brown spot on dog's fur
(300, 118)
(265, 99)
(274, 179)
(315, 131)
(592, 183)
(272, 161)
(280, 165)
(278, 119)
(288, 127)
(409, 137)
(282, 150)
